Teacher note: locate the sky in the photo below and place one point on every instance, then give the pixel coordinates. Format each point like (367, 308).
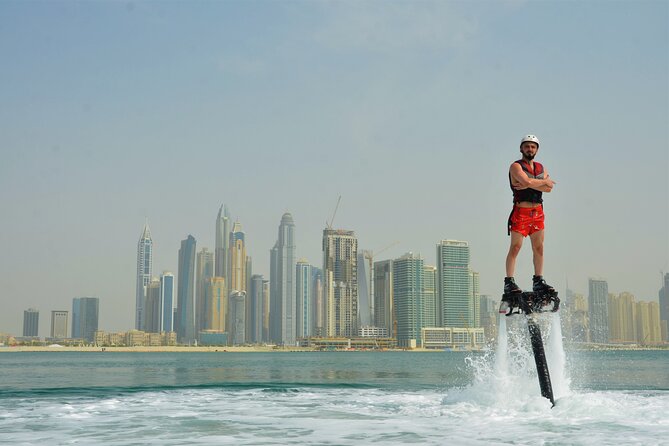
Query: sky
(115, 113)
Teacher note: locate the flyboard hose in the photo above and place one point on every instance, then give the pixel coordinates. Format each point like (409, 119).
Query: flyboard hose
(528, 303)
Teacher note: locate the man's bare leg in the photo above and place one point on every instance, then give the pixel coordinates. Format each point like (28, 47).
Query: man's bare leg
(537, 240)
(514, 249)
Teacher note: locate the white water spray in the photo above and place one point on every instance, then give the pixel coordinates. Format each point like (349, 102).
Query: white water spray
(556, 358)
(501, 370)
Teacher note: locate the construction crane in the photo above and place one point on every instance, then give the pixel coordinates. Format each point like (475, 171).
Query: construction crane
(329, 225)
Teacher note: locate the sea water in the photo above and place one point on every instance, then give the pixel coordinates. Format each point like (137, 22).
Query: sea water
(337, 398)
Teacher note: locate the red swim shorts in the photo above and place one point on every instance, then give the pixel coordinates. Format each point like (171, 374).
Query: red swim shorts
(526, 221)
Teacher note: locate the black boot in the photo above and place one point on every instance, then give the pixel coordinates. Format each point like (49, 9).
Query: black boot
(510, 286)
(539, 286)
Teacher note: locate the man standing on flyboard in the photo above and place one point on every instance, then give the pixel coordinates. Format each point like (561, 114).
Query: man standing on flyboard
(528, 180)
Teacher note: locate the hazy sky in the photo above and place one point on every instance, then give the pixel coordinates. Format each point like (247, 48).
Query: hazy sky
(114, 112)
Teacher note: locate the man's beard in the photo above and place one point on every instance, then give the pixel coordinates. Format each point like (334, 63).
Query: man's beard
(529, 157)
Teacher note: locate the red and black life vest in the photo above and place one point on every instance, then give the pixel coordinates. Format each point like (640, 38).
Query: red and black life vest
(531, 195)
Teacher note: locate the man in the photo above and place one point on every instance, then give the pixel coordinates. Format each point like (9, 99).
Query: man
(528, 180)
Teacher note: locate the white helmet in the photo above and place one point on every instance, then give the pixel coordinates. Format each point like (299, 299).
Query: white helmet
(530, 138)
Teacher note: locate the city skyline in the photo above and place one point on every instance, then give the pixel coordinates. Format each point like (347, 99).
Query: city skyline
(411, 113)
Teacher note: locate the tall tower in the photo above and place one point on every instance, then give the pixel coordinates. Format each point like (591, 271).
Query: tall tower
(454, 302)
(167, 300)
(663, 299)
(85, 313)
(204, 271)
(282, 327)
(237, 317)
(409, 289)
(221, 251)
(237, 259)
(216, 304)
(304, 299)
(255, 308)
(475, 298)
(144, 271)
(59, 324)
(318, 302)
(598, 296)
(31, 322)
(185, 283)
(152, 307)
(430, 296)
(384, 313)
(364, 288)
(340, 270)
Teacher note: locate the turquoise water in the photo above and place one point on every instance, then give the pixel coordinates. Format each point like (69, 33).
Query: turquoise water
(614, 397)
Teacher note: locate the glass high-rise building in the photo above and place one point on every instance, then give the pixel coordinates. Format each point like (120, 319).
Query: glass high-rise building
(31, 322)
(663, 296)
(598, 296)
(318, 301)
(454, 286)
(144, 271)
(216, 304)
(283, 328)
(304, 299)
(85, 312)
(237, 327)
(255, 308)
(384, 313)
(429, 296)
(365, 302)
(340, 271)
(185, 291)
(237, 259)
(475, 297)
(152, 307)
(59, 324)
(204, 271)
(408, 293)
(167, 300)
(222, 248)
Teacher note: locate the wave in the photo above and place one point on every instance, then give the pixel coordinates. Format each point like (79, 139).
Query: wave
(106, 391)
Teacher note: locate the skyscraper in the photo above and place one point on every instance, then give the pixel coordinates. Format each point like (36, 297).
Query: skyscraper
(663, 295)
(409, 290)
(185, 302)
(598, 296)
(340, 270)
(30, 322)
(59, 324)
(237, 327)
(304, 299)
(255, 307)
(204, 271)
(221, 251)
(454, 296)
(167, 300)
(85, 312)
(364, 288)
(622, 318)
(282, 301)
(475, 297)
(237, 259)
(152, 307)
(319, 301)
(144, 271)
(384, 314)
(430, 296)
(216, 304)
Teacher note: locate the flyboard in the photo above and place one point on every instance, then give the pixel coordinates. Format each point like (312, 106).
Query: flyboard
(529, 303)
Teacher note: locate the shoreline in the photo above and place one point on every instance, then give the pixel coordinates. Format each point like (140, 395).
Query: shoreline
(254, 349)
